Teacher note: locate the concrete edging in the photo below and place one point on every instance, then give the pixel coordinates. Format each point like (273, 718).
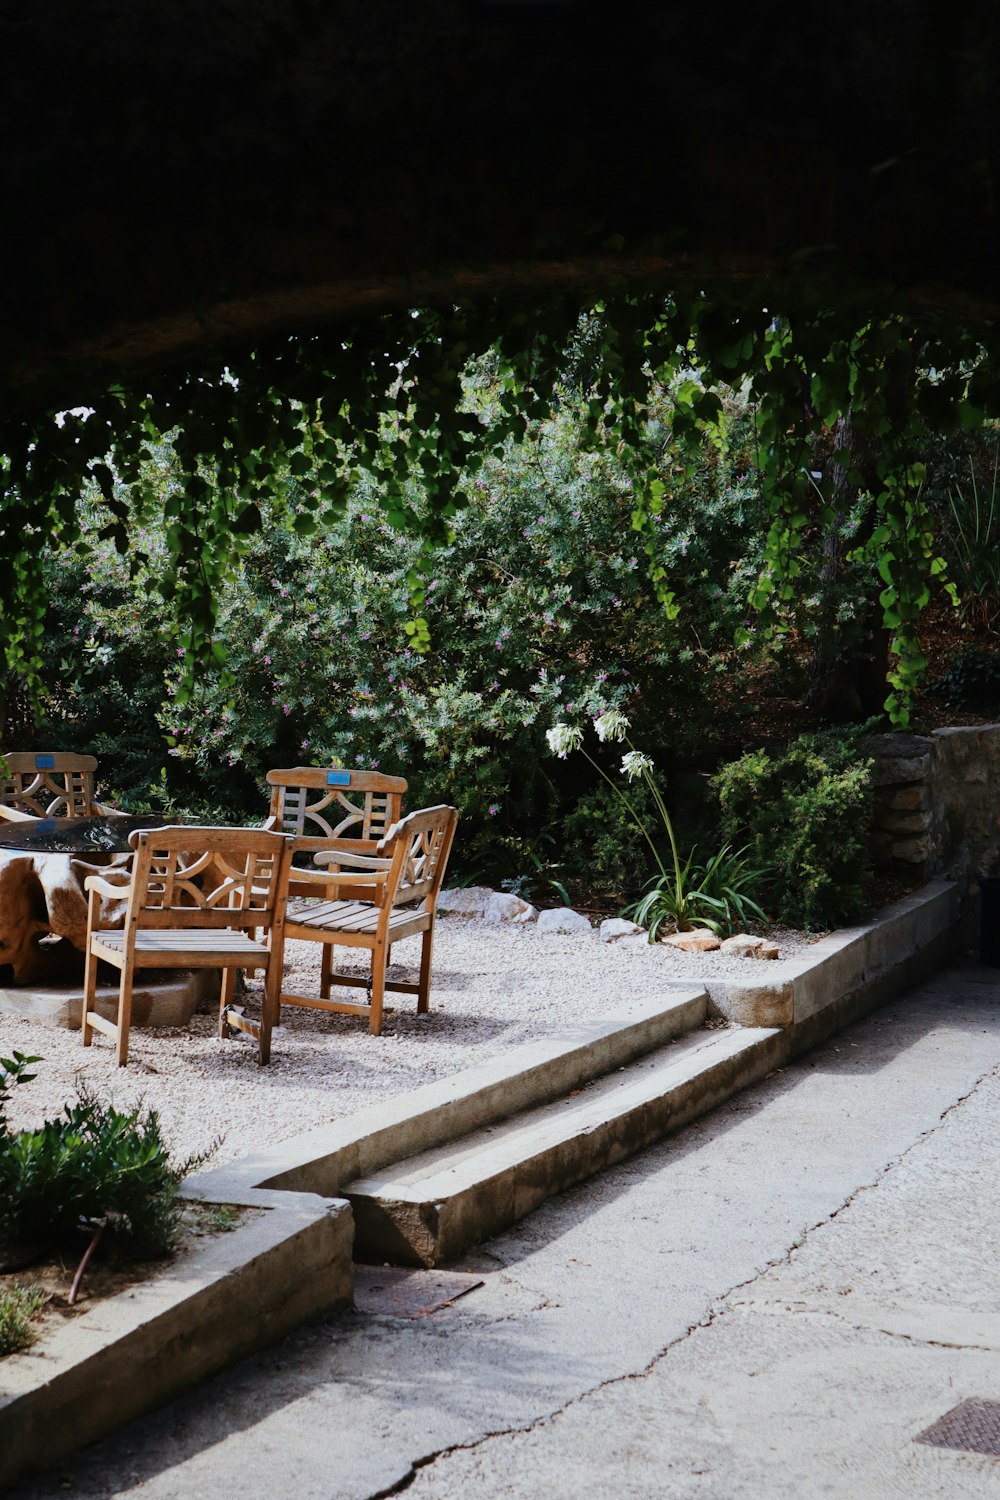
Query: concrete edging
(848, 971)
(238, 1292)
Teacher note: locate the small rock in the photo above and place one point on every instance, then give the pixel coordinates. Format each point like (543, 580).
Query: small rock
(563, 919)
(742, 945)
(619, 927)
(466, 901)
(700, 940)
(501, 907)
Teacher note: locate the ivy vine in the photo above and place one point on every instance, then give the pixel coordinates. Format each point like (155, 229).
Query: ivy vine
(386, 397)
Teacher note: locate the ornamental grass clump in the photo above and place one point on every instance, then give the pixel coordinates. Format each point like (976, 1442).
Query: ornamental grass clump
(718, 894)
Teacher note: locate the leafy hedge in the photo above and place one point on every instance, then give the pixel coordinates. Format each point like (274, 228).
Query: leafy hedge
(806, 813)
(540, 607)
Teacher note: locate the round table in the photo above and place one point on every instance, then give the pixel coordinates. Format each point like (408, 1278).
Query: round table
(104, 834)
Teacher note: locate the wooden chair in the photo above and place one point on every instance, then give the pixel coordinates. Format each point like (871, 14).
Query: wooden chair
(195, 897)
(50, 785)
(404, 878)
(346, 812)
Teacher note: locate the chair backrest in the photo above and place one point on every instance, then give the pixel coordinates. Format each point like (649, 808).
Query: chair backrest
(325, 808)
(206, 877)
(49, 784)
(419, 846)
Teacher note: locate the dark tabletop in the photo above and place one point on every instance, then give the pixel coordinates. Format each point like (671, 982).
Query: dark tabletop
(99, 835)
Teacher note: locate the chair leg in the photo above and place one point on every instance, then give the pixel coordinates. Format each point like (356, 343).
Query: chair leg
(226, 997)
(325, 970)
(268, 1010)
(124, 1015)
(89, 996)
(378, 988)
(426, 953)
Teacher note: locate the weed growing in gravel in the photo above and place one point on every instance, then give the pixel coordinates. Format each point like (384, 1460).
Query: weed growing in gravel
(18, 1306)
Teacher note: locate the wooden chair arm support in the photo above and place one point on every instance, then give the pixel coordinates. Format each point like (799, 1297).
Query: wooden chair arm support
(15, 815)
(329, 857)
(102, 887)
(323, 881)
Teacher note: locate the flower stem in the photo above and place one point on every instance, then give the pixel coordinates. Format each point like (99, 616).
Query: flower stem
(635, 816)
(668, 825)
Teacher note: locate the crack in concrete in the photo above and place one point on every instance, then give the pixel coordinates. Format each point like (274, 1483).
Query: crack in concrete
(719, 1308)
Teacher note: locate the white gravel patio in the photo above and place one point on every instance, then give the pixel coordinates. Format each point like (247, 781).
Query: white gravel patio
(493, 988)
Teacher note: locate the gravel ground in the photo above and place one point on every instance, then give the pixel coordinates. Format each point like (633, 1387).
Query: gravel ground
(493, 988)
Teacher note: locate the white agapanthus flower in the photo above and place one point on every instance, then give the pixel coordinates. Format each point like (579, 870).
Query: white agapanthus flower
(612, 725)
(634, 763)
(563, 738)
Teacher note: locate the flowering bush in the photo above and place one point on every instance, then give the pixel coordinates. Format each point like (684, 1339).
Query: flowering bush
(539, 608)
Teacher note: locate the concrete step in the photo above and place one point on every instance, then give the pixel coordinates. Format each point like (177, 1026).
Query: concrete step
(517, 1078)
(430, 1207)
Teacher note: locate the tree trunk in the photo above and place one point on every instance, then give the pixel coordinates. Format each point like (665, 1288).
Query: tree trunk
(849, 662)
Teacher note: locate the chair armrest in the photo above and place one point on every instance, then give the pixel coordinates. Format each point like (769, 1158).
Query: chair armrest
(323, 880)
(15, 815)
(104, 811)
(337, 857)
(115, 889)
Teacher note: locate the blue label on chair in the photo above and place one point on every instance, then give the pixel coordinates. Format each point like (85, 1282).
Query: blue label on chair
(46, 825)
(338, 778)
(45, 762)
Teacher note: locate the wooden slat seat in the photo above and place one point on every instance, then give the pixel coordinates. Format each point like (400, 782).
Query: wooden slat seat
(404, 887)
(196, 898)
(201, 947)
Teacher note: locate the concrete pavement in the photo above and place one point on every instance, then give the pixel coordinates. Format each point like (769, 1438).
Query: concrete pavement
(773, 1303)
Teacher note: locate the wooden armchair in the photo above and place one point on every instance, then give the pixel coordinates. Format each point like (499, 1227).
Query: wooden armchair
(196, 897)
(50, 785)
(394, 896)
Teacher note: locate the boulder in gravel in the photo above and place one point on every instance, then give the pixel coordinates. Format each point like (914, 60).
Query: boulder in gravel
(619, 927)
(742, 945)
(563, 919)
(699, 940)
(502, 907)
(467, 901)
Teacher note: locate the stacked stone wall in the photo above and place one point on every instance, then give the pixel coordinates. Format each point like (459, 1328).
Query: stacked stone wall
(937, 803)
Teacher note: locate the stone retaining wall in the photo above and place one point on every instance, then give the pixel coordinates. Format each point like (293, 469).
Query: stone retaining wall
(937, 803)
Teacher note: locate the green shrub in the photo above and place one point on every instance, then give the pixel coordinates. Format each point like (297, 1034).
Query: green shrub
(91, 1167)
(601, 850)
(807, 814)
(972, 681)
(18, 1305)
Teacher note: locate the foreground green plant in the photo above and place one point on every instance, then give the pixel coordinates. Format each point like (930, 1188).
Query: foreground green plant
(93, 1168)
(717, 895)
(18, 1306)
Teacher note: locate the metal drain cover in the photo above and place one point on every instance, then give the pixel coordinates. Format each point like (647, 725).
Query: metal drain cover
(402, 1293)
(973, 1426)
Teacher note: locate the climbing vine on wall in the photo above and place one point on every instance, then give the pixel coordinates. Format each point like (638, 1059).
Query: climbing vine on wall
(387, 397)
